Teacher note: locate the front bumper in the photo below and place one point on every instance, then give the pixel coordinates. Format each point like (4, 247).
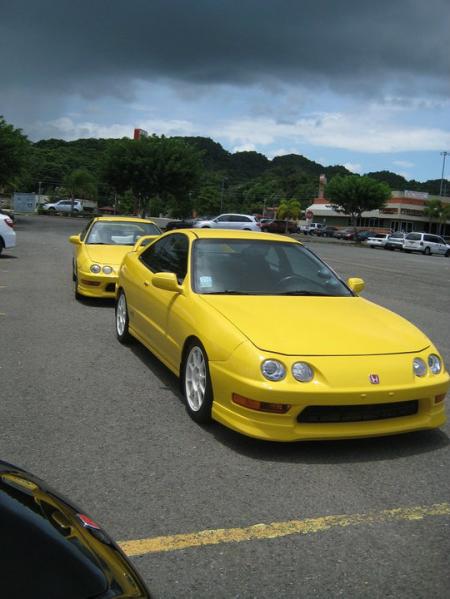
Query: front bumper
(346, 383)
(97, 285)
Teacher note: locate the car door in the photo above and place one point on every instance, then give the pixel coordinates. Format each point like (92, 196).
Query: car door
(151, 306)
(223, 222)
(442, 246)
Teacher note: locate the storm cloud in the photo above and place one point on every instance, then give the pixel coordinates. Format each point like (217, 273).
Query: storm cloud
(100, 47)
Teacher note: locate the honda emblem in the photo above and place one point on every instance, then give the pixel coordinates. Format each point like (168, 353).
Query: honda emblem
(374, 379)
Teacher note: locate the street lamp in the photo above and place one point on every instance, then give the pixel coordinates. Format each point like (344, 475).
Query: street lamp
(444, 156)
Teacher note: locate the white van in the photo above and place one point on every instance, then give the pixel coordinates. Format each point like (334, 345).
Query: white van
(426, 244)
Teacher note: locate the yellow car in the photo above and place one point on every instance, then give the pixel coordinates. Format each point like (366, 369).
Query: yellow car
(99, 251)
(267, 340)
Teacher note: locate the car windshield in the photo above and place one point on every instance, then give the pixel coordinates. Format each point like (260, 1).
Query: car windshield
(255, 267)
(119, 233)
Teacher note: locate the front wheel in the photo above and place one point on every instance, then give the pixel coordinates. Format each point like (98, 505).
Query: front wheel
(427, 251)
(196, 384)
(122, 320)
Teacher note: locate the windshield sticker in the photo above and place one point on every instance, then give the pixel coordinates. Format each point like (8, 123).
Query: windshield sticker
(205, 281)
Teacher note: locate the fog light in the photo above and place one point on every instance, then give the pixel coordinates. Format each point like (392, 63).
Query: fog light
(260, 406)
(90, 283)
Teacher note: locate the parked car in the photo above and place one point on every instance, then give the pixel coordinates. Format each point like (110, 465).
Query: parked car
(279, 226)
(376, 241)
(65, 206)
(395, 241)
(230, 221)
(197, 298)
(53, 549)
(311, 229)
(180, 224)
(8, 212)
(363, 235)
(346, 233)
(7, 233)
(99, 251)
(326, 231)
(426, 244)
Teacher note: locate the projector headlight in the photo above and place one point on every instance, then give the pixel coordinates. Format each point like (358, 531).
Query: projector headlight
(419, 367)
(434, 363)
(107, 270)
(273, 370)
(302, 372)
(95, 268)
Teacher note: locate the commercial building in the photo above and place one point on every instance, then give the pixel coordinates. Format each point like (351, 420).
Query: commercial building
(404, 211)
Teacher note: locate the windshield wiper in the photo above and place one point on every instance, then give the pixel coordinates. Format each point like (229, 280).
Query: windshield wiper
(303, 292)
(228, 292)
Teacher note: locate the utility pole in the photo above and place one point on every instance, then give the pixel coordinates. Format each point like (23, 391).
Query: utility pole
(444, 156)
(222, 194)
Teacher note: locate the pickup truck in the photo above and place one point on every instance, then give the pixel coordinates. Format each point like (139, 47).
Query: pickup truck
(311, 229)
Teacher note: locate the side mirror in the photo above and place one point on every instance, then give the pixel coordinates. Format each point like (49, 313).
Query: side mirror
(356, 285)
(167, 281)
(75, 239)
(143, 242)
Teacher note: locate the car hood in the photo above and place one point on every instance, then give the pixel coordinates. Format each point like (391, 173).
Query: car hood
(319, 326)
(107, 254)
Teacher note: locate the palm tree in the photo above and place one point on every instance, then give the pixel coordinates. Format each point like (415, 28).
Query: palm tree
(288, 209)
(443, 218)
(433, 209)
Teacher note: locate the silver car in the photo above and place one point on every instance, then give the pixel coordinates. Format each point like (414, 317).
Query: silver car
(230, 221)
(426, 244)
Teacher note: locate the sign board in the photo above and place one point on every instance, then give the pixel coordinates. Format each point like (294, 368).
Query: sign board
(25, 202)
(309, 215)
(418, 195)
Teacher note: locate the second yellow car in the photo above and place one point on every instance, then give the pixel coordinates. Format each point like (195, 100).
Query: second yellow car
(99, 251)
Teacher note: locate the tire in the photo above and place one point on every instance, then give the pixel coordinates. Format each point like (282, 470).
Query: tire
(2, 245)
(447, 254)
(52, 211)
(121, 319)
(196, 383)
(408, 251)
(427, 251)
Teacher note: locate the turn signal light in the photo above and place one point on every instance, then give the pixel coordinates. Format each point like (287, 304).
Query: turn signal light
(260, 406)
(91, 283)
(439, 398)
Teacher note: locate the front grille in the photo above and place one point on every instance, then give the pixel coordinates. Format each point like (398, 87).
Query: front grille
(110, 287)
(358, 413)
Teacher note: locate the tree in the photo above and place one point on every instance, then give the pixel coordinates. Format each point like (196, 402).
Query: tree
(80, 183)
(444, 217)
(288, 209)
(354, 195)
(432, 209)
(14, 148)
(166, 168)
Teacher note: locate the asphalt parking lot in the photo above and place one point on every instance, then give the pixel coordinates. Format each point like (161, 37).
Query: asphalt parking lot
(105, 425)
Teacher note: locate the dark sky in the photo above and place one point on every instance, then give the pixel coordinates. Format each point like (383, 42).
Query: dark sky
(78, 46)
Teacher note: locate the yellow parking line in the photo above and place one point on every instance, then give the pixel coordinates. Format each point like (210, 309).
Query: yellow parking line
(278, 529)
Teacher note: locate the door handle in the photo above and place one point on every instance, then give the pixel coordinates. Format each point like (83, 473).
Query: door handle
(146, 283)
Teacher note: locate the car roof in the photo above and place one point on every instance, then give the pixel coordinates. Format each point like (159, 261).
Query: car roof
(128, 219)
(236, 234)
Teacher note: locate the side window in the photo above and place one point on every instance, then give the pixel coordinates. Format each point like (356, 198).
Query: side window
(440, 240)
(223, 219)
(168, 255)
(430, 238)
(85, 230)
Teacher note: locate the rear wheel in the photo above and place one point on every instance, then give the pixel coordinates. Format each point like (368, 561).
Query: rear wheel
(427, 251)
(2, 245)
(196, 383)
(122, 320)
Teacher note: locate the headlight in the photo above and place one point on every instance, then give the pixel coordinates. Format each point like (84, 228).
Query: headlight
(273, 370)
(419, 367)
(95, 268)
(107, 270)
(434, 363)
(302, 372)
